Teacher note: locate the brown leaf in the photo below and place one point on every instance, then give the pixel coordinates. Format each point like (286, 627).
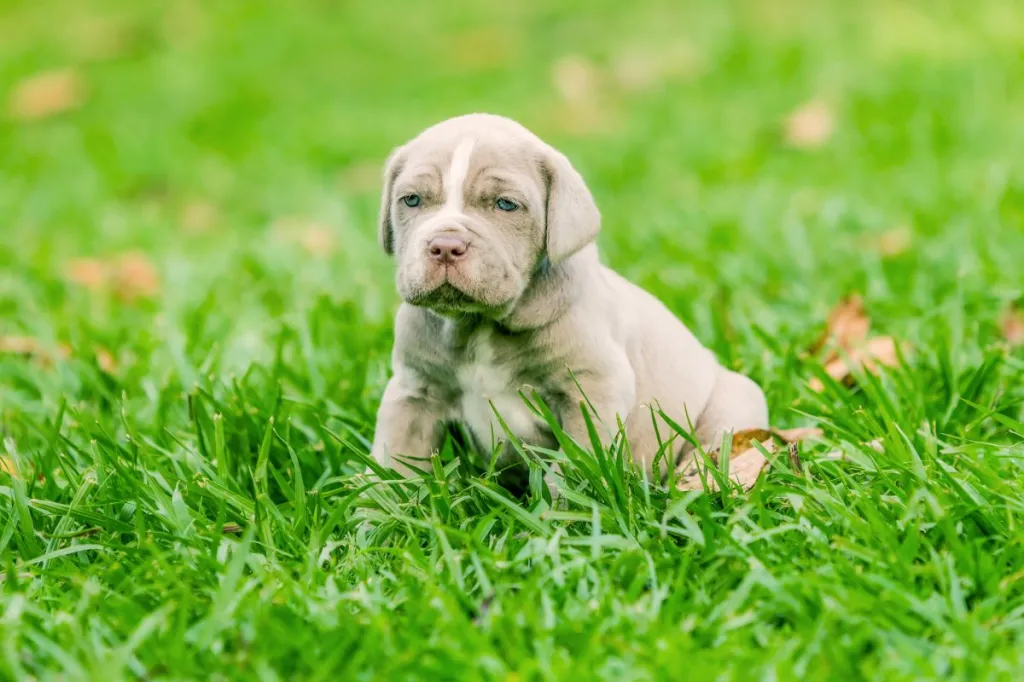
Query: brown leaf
(1012, 324)
(90, 273)
(105, 361)
(895, 241)
(810, 126)
(317, 239)
(847, 326)
(46, 94)
(135, 276)
(798, 434)
(19, 345)
(746, 462)
(878, 351)
(32, 348)
(231, 528)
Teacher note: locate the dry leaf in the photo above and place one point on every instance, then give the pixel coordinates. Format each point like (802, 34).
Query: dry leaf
(894, 242)
(810, 126)
(231, 528)
(20, 345)
(7, 466)
(105, 361)
(132, 275)
(135, 276)
(46, 94)
(317, 239)
(1012, 325)
(878, 351)
(90, 273)
(32, 348)
(575, 79)
(746, 462)
(847, 326)
(798, 434)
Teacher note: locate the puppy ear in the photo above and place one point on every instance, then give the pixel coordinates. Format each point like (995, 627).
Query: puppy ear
(386, 231)
(573, 220)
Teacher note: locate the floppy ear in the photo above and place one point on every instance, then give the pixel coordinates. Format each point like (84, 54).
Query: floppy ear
(573, 220)
(386, 231)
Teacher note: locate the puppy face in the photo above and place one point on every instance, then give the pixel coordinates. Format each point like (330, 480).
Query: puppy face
(473, 207)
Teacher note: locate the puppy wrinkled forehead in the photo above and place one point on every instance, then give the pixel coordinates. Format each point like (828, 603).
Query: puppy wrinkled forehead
(477, 140)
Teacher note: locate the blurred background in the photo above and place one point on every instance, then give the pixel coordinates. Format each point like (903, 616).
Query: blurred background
(189, 188)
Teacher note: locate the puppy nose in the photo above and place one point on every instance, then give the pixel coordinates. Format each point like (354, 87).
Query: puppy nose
(447, 249)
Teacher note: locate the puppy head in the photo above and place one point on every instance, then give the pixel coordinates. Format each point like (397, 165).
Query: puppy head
(473, 207)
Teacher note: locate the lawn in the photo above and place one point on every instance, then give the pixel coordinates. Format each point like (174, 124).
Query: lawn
(195, 326)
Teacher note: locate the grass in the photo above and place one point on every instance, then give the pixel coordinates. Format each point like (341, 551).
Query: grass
(180, 498)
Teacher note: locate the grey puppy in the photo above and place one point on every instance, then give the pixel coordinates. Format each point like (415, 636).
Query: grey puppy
(493, 232)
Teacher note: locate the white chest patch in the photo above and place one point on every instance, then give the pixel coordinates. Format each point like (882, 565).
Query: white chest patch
(484, 383)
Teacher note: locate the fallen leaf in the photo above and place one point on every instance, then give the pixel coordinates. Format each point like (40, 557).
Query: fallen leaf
(19, 345)
(575, 78)
(317, 239)
(876, 352)
(33, 348)
(46, 94)
(894, 242)
(90, 273)
(810, 126)
(847, 327)
(1012, 325)
(798, 434)
(135, 276)
(131, 275)
(746, 462)
(105, 361)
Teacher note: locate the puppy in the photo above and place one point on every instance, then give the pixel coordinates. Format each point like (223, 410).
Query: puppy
(493, 232)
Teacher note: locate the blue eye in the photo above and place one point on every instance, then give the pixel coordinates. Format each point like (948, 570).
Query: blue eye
(506, 204)
(411, 200)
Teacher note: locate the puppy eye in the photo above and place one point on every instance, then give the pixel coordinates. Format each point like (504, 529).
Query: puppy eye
(411, 200)
(506, 204)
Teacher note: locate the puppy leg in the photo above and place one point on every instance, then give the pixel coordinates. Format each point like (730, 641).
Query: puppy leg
(736, 403)
(409, 426)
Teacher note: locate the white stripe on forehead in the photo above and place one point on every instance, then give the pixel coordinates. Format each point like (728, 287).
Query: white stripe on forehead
(456, 175)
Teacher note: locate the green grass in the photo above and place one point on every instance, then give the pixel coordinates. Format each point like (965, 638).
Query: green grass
(193, 512)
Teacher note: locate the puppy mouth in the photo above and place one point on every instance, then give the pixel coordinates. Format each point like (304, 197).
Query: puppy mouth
(445, 298)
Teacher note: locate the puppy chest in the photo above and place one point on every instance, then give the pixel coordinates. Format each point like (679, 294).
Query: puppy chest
(487, 389)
